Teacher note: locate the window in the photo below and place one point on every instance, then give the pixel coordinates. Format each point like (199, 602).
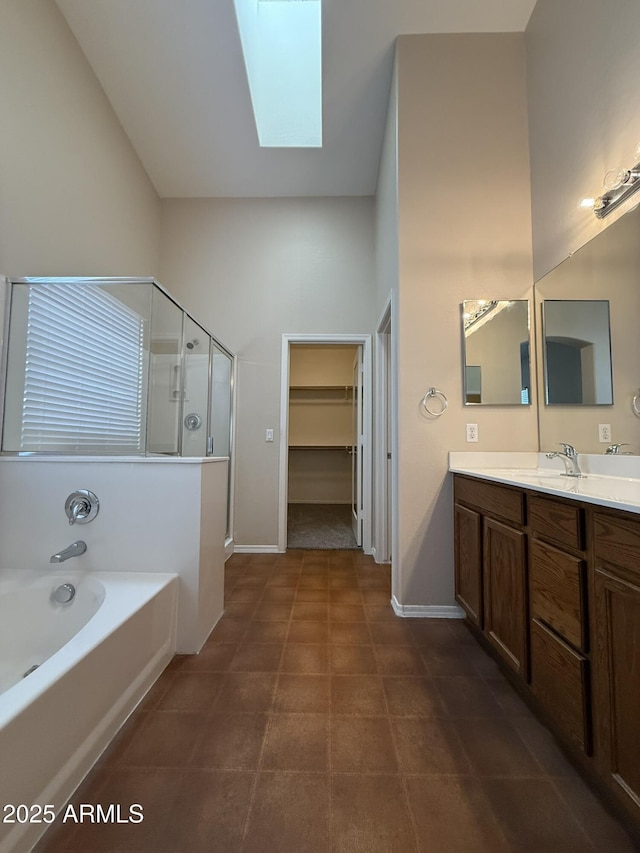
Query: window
(282, 49)
(83, 372)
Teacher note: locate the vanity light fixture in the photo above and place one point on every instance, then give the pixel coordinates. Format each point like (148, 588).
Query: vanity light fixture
(475, 310)
(619, 184)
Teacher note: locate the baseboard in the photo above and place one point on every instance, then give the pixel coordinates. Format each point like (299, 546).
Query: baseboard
(375, 557)
(256, 549)
(427, 611)
(228, 549)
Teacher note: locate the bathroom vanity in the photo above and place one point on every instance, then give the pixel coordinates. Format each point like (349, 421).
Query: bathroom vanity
(547, 569)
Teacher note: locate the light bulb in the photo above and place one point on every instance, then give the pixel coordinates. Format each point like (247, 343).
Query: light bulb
(587, 203)
(616, 178)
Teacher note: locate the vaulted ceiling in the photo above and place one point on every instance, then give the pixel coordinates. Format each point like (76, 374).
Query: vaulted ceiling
(173, 71)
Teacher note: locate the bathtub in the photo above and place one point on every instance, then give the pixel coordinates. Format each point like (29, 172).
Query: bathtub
(90, 662)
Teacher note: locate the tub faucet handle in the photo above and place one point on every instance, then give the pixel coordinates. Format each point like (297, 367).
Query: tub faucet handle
(81, 506)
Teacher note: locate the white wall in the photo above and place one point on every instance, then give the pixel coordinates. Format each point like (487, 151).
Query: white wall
(464, 233)
(583, 66)
(155, 516)
(252, 270)
(75, 199)
(386, 207)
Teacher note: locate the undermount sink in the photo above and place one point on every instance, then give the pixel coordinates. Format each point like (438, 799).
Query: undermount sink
(527, 473)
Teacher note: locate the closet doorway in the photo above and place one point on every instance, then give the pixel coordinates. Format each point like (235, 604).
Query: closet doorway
(325, 471)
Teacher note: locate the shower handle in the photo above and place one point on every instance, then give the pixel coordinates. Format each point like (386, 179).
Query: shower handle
(81, 506)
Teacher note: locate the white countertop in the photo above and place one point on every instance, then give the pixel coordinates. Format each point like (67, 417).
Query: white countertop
(612, 481)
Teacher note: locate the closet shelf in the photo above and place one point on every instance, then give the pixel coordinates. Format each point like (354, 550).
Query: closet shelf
(328, 394)
(321, 387)
(346, 447)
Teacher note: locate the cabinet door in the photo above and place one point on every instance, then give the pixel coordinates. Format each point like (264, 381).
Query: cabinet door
(468, 561)
(617, 677)
(504, 593)
(559, 678)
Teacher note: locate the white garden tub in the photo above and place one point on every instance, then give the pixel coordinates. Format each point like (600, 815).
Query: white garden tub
(89, 662)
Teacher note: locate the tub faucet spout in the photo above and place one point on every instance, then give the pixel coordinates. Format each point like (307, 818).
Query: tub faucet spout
(74, 550)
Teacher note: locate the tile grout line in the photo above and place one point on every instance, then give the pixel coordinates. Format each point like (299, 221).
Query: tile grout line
(558, 789)
(401, 773)
(268, 715)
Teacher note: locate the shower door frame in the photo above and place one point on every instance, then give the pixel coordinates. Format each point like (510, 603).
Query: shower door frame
(363, 341)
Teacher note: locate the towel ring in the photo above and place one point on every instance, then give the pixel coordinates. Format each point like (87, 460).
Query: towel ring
(439, 395)
(634, 404)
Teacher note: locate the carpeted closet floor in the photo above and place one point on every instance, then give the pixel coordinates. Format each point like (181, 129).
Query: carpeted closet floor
(320, 526)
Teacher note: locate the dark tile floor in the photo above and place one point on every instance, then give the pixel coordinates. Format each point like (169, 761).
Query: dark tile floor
(315, 720)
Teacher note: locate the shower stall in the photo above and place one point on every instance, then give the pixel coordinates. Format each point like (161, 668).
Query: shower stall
(99, 366)
(112, 366)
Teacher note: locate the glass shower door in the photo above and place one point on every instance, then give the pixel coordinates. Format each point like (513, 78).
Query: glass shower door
(221, 413)
(221, 393)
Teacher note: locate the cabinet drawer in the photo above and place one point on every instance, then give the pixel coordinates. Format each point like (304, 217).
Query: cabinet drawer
(617, 540)
(494, 500)
(557, 591)
(560, 522)
(559, 680)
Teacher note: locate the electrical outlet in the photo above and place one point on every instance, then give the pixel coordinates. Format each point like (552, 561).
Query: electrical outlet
(472, 432)
(269, 435)
(604, 433)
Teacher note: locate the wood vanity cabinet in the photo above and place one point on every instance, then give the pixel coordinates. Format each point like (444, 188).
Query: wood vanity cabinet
(560, 667)
(491, 565)
(617, 650)
(468, 562)
(505, 566)
(553, 585)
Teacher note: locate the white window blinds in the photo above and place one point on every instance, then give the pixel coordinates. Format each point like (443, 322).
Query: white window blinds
(83, 389)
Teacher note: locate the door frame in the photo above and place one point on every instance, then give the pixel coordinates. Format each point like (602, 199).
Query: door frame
(283, 485)
(385, 426)
(357, 450)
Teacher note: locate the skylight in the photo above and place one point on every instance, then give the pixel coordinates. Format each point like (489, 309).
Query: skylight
(282, 47)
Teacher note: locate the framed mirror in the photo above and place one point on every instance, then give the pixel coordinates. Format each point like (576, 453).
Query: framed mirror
(577, 352)
(496, 352)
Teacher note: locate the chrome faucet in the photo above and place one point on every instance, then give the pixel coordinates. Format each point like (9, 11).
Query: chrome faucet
(569, 456)
(74, 550)
(614, 449)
